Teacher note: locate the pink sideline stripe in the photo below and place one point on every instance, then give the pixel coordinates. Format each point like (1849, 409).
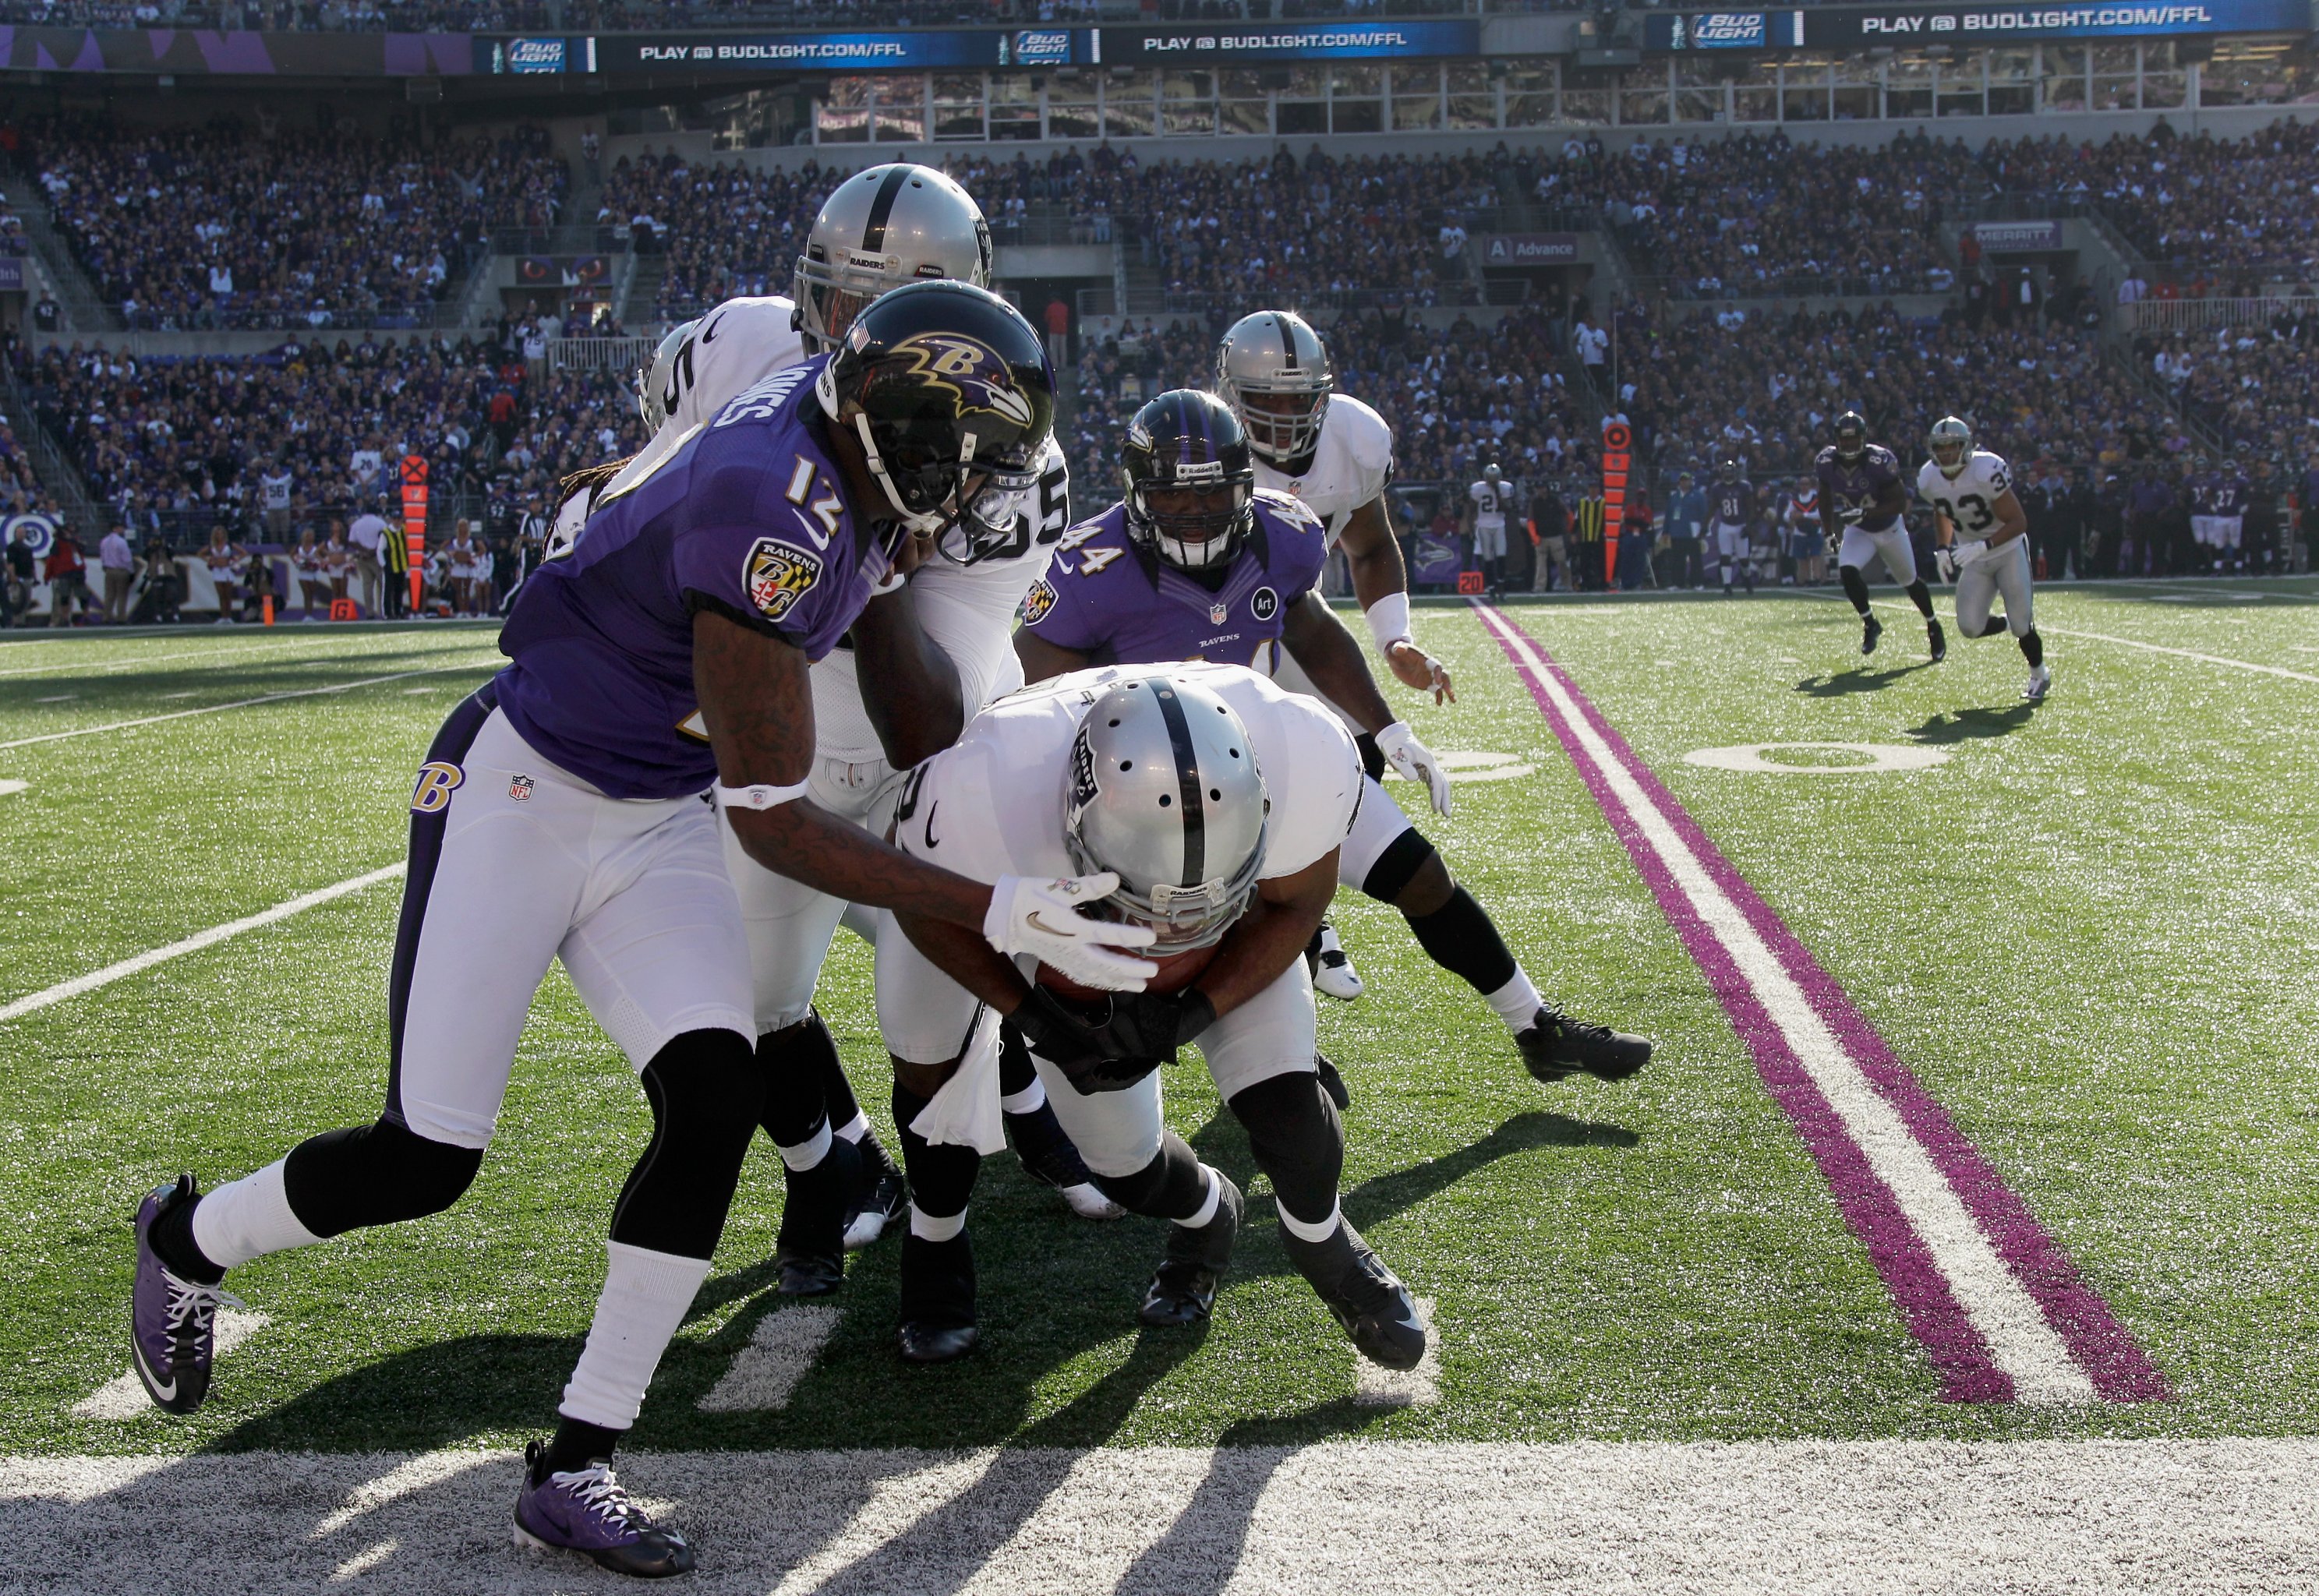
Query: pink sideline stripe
(2101, 1347)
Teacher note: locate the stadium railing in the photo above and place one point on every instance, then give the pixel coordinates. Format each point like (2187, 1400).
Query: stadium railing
(623, 354)
(2188, 315)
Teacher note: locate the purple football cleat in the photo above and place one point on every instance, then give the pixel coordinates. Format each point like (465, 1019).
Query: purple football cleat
(172, 1321)
(587, 1511)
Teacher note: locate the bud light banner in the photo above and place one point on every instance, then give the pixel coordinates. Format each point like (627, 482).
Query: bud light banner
(832, 52)
(1855, 27)
(1208, 46)
(1725, 29)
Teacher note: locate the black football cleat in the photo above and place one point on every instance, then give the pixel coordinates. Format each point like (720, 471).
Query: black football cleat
(882, 1197)
(809, 1249)
(1367, 1299)
(1332, 1083)
(937, 1299)
(1870, 629)
(172, 1320)
(1936, 640)
(1184, 1290)
(1555, 1046)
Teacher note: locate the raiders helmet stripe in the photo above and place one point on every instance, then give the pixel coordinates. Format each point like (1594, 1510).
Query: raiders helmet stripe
(1187, 784)
(1287, 344)
(881, 209)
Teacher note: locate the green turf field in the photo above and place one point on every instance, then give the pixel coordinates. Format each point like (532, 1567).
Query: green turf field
(2089, 932)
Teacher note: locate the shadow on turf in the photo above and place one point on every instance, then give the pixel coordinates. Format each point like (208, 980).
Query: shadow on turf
(1861, 679)
(1966, 725)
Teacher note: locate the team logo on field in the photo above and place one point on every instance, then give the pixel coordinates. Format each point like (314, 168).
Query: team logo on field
(775, 576)
(1265, 605)
(971, 369)
(1216, 613)
(519, 789)
(1040, 599)
(437, 778)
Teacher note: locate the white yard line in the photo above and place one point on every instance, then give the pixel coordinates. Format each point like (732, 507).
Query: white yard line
(12, 785)
(1340, 1519)
(2020, 1342)
(304, 692)
(192, 945)
(123, 1397)
(2204, 659)
(1421, 1387)
(780, 1354)
(142, 660)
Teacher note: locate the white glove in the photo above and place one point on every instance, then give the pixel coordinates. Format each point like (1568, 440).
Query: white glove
(1415, 761)
(1945, 563)
(1042, 918)
(1962, 554)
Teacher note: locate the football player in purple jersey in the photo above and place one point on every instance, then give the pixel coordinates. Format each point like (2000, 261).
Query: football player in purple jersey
(571, 808)
(1198, 563)
(1863, 510)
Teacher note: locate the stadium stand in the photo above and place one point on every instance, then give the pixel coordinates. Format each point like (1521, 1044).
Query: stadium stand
(226, 226)
(722, 230)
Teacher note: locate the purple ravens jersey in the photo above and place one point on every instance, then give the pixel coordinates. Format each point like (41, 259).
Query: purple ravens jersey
(1104, 596)
(1847, 492)
(2202, 493)
(2227, 495)
(747, 520)
(1734, 503)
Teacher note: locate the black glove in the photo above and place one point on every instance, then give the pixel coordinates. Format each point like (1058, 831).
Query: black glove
(1090, 1059)
(1148, 1025)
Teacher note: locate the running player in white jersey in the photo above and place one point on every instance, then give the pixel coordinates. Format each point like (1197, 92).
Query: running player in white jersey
(1335, 454)
(1219, 801)
(1984, 546)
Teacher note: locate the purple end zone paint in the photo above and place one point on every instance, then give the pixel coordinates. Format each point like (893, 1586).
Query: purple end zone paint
(2100, 1345)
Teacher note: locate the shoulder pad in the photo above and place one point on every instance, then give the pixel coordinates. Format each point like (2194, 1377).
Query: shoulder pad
(1360, 430)
(1286, 507)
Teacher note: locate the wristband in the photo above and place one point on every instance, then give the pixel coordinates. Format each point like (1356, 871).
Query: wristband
(760, 796)
(1389, 621)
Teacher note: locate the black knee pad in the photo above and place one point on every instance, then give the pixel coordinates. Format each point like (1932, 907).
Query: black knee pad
(1397, 866)
(1170, 1187)
(374, 1174)
(942, 1178)
(708, 1095)
(797, 1064)
(1297, 1140)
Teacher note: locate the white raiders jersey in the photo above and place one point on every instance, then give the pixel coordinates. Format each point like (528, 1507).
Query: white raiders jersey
(1351, 465)
(1969, 499)
(992, 804)
(1490, 501)
(969, 610)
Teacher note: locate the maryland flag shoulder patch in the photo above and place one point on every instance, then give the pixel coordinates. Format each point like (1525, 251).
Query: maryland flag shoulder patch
(1040, 599)
(776, 575)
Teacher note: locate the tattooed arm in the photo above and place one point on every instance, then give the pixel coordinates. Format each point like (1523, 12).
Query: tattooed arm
(758, 706)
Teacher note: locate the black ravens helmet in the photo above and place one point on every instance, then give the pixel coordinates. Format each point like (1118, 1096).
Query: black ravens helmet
(1190, 479)
(1727, 468)
(948, 389)
(1850, 436)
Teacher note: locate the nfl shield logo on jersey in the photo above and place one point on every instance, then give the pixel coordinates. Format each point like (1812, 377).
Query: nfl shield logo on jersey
(776, 575)
(1216, 613)
(520, 788)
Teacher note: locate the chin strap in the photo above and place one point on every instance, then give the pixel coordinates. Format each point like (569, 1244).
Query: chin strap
(928, 522)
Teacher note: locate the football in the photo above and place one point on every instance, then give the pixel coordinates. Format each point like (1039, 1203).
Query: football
(1176, 972)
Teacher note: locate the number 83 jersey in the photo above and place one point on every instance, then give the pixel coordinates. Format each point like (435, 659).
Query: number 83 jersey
(1969, 498)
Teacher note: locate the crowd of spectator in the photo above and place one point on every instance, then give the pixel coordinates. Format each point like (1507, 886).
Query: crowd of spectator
(2248, 383)
(2231, 214)
(722, 230)
(232, 226)
(269, 446)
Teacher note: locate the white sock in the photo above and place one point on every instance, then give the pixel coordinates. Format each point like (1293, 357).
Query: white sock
(248, 1218)
(929, 1227)
(1517, 1002)
(644, 1300)
(1208, 1204)
(809, 1154)
(1308, 1232)
(1031, 1099)
(854, 1129)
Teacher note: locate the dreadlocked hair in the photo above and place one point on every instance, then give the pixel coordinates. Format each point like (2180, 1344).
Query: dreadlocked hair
(590, 480)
